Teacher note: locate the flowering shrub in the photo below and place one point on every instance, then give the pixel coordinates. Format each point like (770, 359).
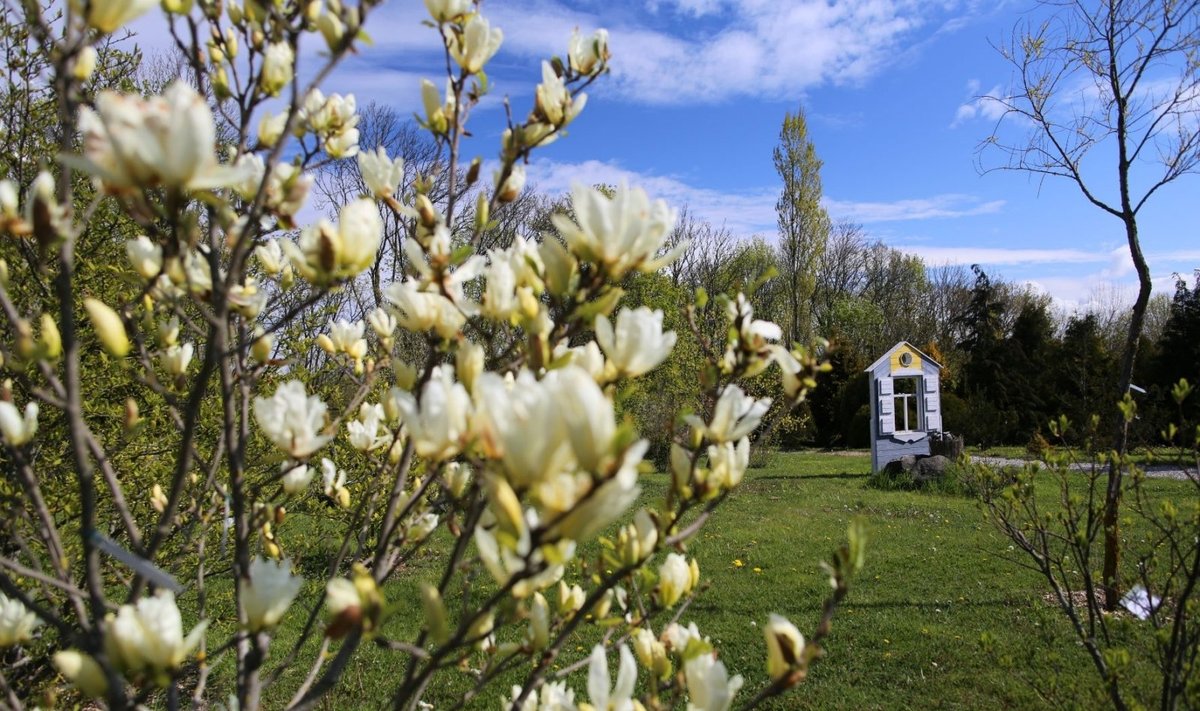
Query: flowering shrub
(475, 394)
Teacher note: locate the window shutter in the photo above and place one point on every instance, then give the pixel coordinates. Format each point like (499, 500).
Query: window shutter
(931, 403)
(885, 387)
(887, 424)
(933, 422)
(931, 383)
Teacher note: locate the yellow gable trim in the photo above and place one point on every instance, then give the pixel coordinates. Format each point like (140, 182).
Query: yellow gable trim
(895, 363)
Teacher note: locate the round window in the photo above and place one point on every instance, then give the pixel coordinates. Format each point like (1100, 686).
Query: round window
(906, 359)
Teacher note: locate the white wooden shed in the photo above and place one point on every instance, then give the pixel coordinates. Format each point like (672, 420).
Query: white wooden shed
(906, 404)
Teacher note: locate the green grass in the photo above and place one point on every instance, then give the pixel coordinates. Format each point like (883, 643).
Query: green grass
(941, 617)
(1141, 456)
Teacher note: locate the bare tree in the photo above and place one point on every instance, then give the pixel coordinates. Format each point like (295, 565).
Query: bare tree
(1110, 94)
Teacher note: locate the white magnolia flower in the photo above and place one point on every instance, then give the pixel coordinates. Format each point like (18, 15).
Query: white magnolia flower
(296, 478)
(754, 333)
(175, 358)
(82, 671)
(277, 68)
(198, 272)
(588, 415)
(590, 513)
(735, 416)
(270, 256)
(287, 189)
(326, 253)
(145, 256)
(447, 10)
(343, 144)
(292, 420)
(674, 579)
(268, 592)
(441, 423)
(587, 55)
(637, 540)
(620, 696)
(475, 45)
(785, 646)
(638, 344)
(270, 128)
(620, 233)
(513, 184)
(382, 175)
(364, 431)
(679, 637)
(650, 651)
(169, 140)
(149, 636)
(333, 483)
(16, 622)
(553, 696)
(108, 15)
(347, 337)
(18, 430)
(554, 101)
(421, 311)
(522, 427)
(422, 526)
(382, 322)
(503, 560)
(708, 684)
(500, 295)
(728, 462)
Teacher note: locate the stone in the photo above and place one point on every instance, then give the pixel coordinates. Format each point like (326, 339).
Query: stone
(931, 468)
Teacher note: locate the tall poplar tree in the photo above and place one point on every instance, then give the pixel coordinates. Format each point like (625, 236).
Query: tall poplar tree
(804, 225)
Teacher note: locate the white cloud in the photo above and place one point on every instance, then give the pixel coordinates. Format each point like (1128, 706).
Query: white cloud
(979, 106)
(936, 256)
(936, 207)
(744, 213)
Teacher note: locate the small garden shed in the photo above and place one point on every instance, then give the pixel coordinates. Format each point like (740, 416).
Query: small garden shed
(905, 404)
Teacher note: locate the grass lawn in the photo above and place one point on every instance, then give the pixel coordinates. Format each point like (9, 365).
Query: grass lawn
(940, 618)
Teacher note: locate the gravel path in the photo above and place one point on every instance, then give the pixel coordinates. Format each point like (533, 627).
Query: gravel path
(1159, 471)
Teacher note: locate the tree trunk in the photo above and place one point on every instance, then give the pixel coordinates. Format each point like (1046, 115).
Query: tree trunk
(1112, 497)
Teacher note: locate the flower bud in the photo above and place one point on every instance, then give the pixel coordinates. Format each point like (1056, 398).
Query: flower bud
(468, 363)
(785, 646)
(260, 350)
(539, 622)
(435, 614)
(108, 326)
(82, 672)
(51, 339)
(85, 64)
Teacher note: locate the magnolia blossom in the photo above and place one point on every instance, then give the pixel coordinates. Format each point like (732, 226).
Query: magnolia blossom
(620, 233)
(587, 55)
(145, 256)
(554, 102)
(591, 511)
(277, 68)
(475, 45)
(169, 140)
(197, 272)
(149, 636)
(735, 416)
(345, 337)
(108, 15)
(708, 684)
(728, 463)
(16, 622)
(287, 189)
(270, 256)
(292, 420)
(296, 478)
(447, 10)
(508, 417)
(674, 579)
(513, 184)
(507, 558)
(650, 651)
(382, 175)
(637, 540)
(327, 253)
(637, 345)
(680, 638)
(440, 424)
(267, 592)
(620, 696)
(785, 646)
(175, 358)
(553, 696)
(333, 482)
(18, 430)
(82, 671)
(270, 128)
(422, 525)
(382, 322)
(421, 311)
(364, 431)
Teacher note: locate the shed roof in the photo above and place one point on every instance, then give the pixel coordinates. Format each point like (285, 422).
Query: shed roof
(893, 349)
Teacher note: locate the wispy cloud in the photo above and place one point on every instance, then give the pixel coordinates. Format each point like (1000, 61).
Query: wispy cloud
(979, 106)
(937, 207)
(1001, 256)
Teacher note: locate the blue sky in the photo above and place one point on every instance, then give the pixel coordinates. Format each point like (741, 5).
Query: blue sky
(699, 88)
